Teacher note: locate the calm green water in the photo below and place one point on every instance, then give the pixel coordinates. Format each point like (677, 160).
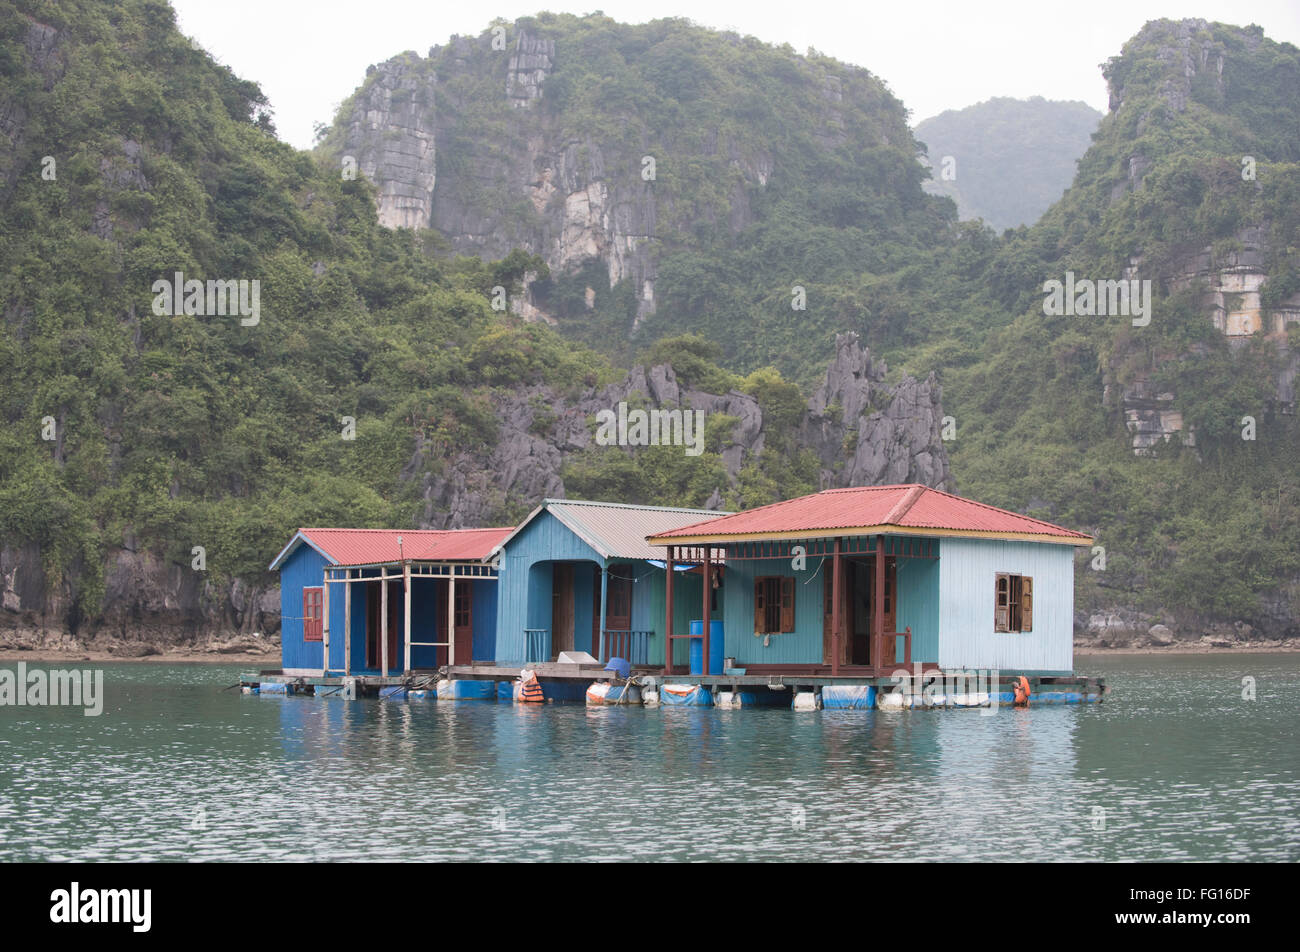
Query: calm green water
(1181, 765)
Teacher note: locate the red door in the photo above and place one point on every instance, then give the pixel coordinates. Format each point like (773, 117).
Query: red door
(462, 623)
(618, 617)
(463, 626)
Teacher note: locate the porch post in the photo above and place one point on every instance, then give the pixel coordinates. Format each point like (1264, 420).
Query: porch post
(878, 606)
(836, 615)
(325, 626)
(668, 614)
(347, 622)
(704, 610)
(406, 611)
(451, 614)
(383, 621)
(604, 593)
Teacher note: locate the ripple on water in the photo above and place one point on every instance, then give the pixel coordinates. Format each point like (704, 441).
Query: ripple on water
(1176, 765)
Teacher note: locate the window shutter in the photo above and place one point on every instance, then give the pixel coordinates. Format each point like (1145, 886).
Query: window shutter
(1001, 602)
(1026, 603)
(787, 604)
(759, 607)
(312, 629)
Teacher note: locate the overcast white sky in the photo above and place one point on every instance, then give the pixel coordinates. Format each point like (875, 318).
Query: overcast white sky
(308, 55)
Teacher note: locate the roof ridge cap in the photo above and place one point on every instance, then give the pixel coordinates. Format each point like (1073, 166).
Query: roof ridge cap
(899, 511)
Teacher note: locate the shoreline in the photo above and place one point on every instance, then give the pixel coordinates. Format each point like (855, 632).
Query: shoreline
(47, 656)
(272, 659)
(1281, 648)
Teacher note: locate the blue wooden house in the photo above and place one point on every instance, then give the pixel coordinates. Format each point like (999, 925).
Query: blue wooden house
(861, 581)
(349, 597)
(580, 576)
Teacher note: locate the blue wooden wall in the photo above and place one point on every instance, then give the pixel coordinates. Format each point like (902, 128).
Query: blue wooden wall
(804, 644)
(485, 618)
(967, 573)
(303, 569)
(918, 605)
(524, 585)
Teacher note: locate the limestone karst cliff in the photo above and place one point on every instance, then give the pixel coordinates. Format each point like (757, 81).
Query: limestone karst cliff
(589, 142)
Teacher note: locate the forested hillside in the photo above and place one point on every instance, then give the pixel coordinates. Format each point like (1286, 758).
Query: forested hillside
(1006, 160)
(151, 464)
(1132, 433)
(478, 257)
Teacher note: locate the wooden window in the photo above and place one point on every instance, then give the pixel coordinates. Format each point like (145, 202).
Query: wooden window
(773, 604)
(618, 603)
(313, 620)
(1013, 605)
(463, 598)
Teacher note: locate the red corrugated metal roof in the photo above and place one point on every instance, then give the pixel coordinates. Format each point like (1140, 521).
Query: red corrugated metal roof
(910, 506)
(464, 545)
(371, 546)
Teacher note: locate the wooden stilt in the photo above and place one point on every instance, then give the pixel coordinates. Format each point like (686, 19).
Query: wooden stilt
(837, 615)
(878, 608)
(325, 626)
(704, 609)
(451, 617)
(604, 611)
(668, 614)
(383, 622)
(347, 623)
(406, 613)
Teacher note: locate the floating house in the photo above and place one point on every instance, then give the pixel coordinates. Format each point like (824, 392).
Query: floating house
(861, 581)
(349, 598)
(580, 576)
(840, 590)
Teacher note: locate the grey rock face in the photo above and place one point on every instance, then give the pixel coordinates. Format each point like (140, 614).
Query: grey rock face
(867, 434)
(145, 596)
(863, 431)
(390, 136)
(1229, 286)
(1186, 51)
(523, 178)
(529, 65)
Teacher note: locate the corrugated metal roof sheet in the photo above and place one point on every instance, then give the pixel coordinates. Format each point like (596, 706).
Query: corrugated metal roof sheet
(911, 506)
(617, 530)
(464, 545)
(372, 546)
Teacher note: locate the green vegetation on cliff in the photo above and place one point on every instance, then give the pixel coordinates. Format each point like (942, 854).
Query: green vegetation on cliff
(784, 171)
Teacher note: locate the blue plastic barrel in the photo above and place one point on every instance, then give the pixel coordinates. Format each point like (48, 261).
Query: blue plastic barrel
(716, 648)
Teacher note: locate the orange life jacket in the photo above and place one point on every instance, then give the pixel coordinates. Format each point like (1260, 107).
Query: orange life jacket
(532, 692)
(1022, 691)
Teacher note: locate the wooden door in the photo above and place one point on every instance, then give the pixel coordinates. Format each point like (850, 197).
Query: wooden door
(891, 594)
(618, 604)
(890, 605)
(561, 608)
(846, 612)
(463, 622)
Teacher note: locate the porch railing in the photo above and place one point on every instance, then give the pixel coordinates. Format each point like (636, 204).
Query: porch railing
(888, 654)
(538, 645)
(632, 646)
